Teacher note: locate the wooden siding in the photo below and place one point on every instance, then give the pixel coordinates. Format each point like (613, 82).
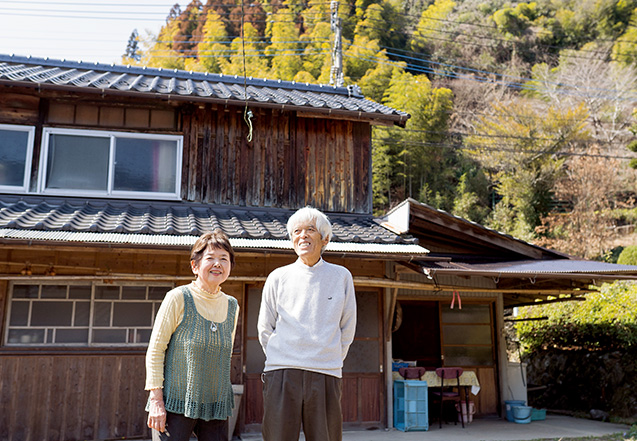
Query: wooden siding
(291, 162)
(66, 397)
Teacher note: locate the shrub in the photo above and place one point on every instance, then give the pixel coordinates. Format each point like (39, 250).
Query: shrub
(607, 320)
(628, 256)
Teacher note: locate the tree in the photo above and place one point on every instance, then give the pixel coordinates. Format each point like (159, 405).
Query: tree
(212, 51)
(421, 166)
(132, 53)
(247, 55)
(161, 53)
(284, 50)
(431, 22)
(624, 49)
(518, 145)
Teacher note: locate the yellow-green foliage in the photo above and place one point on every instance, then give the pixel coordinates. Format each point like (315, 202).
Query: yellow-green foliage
(628, 256)
(607, 320)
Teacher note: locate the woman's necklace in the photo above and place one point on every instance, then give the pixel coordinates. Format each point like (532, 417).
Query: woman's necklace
(213, 325)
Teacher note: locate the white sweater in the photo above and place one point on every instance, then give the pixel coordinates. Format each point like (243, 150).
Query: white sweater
(307, 318)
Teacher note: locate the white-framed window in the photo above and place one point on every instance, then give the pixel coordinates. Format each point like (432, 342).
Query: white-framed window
(115, 164)
(16, 149)
(82, 313)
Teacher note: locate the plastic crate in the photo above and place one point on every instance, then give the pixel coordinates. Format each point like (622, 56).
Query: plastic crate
(538, 414)
(410, 405)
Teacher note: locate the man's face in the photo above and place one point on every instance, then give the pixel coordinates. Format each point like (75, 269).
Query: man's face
(307, 242)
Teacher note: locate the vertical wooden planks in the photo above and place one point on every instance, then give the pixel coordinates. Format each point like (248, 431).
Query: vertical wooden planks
(349, 402)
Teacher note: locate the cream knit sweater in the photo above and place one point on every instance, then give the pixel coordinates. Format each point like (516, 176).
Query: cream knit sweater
(307, 318)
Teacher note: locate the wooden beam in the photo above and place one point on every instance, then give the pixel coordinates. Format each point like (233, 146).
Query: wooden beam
(375, 282)
(390, 318)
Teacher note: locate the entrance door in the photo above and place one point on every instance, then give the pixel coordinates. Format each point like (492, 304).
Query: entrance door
(418, 335)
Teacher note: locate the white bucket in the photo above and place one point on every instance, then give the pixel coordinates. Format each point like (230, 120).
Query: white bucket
(462, 409)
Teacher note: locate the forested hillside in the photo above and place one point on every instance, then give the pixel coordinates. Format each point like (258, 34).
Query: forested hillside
(522, 113)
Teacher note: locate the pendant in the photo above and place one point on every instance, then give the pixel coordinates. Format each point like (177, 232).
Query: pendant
(213, 327)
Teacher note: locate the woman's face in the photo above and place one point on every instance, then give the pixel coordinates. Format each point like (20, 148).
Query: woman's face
(214, 267)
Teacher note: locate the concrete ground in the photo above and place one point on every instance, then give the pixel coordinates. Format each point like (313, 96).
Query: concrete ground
(487, 429)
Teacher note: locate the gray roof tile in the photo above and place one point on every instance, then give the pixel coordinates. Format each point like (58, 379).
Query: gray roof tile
(196, 85)
(161, 218)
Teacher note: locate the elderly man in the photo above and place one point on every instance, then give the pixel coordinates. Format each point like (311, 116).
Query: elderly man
(306, 324)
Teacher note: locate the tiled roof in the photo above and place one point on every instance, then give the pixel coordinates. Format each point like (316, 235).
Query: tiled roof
(143, 222)
(197, 86)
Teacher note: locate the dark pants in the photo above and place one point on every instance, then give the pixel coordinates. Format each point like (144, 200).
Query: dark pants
(181, 428)
(294, 397)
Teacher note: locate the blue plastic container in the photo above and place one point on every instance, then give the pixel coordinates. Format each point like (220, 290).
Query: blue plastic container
(522, 414)
(410, 405)
(509, 404)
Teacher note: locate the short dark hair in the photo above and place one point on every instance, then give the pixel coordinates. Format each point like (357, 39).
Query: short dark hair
(213, 239)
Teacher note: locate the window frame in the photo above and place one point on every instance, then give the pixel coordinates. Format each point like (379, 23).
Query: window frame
(93, 300)
(109, 191)
(28, 160)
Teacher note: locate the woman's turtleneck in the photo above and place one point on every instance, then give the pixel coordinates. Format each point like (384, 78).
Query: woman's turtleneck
(211, 305)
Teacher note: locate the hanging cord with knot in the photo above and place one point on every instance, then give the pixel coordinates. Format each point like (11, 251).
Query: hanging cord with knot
(247, 114)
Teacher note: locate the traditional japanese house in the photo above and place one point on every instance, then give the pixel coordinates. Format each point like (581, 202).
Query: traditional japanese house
(108, 174)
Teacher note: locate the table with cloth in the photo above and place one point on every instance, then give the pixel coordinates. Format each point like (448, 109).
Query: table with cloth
(468, 381)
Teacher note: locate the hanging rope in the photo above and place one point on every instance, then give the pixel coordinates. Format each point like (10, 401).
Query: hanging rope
(453, 300)
(247, 114)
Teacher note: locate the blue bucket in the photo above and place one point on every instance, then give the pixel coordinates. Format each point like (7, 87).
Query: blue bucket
(522, 414)
(509, 404)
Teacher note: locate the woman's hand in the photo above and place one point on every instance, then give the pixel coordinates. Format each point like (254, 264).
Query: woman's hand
(157, 411)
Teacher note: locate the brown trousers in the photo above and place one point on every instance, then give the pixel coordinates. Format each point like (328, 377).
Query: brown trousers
(295, 397)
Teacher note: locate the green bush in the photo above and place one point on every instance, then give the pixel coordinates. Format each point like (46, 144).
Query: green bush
(607, 320)
(628, 256)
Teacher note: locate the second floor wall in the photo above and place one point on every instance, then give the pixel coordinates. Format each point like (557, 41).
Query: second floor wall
(72, 144)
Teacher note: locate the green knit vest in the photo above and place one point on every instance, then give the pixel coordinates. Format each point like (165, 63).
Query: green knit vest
(197, 367)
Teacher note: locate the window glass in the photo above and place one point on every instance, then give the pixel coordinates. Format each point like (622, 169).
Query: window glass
(52, 314)
(157, 292)
(145, 165)
(25, 291)
(71, 335)
(54, 291)
(132, 314)
(107, 292)
(109, 336)
(19, 314)
(110, 163)
(77, 162)
(14, 156)
(133, 292)
(81, 315)
(468, 314)
(26, 336)
(468, 356)
(79, 292)
(467, 335)
(102, 314)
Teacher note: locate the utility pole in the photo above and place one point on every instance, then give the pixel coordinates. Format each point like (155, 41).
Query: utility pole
(336, 73)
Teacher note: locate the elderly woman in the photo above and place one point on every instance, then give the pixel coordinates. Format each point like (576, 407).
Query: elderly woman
(188, 358)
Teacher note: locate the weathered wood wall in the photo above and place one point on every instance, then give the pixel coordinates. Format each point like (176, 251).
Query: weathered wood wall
(291, 161)
(72, 397)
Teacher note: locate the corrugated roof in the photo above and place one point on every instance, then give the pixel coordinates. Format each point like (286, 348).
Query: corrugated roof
(541, 268)
(178, 224)
(176, 84)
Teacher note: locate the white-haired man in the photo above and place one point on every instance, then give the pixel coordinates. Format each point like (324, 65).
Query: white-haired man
(306, 324)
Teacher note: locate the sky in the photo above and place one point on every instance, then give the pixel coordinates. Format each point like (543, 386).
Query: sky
(76, 30)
